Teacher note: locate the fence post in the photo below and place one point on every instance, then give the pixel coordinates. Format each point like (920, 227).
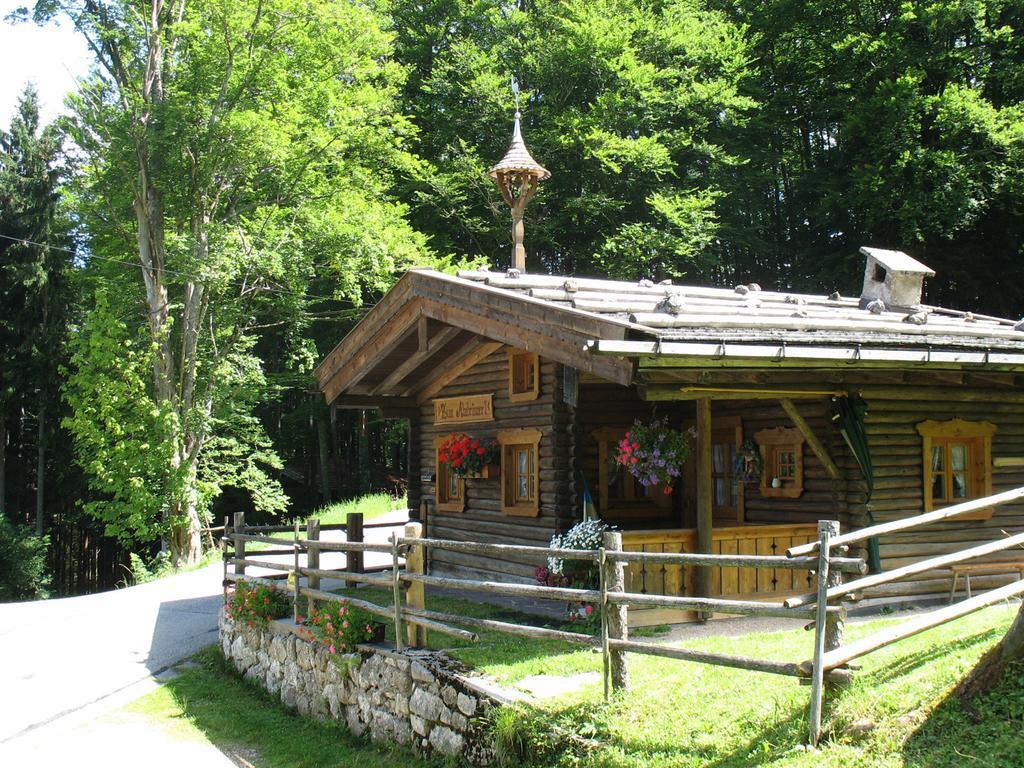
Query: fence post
(224, 557)
(826, 530)
(415, 593)
(615, 616)
(354, 532)
(239, 545)
(296, 575)
(835, 627)
(396, 585)
(312, 558)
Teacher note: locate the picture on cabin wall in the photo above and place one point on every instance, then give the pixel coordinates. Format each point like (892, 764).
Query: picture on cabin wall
(747, 464)
(654, 453)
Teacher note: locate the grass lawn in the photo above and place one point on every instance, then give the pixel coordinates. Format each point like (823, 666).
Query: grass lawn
(371, 506)
(681, 714)
(677, 714)
(210, 702)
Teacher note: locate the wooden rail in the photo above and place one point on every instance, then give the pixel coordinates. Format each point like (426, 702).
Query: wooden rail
(411, 617)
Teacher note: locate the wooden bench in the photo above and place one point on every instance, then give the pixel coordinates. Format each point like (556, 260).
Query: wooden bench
(966, 569)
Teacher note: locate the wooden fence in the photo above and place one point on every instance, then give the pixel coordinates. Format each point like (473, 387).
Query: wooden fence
(407, 579)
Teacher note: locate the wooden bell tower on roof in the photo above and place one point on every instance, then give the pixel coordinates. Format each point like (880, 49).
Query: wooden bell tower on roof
(518, 175)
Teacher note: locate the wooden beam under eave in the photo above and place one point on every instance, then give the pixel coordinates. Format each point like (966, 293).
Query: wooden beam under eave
(473, 353)
(427, 349)
(373, 352)
(568, 348)
(812, 439)
(365, 401)
(675, 392)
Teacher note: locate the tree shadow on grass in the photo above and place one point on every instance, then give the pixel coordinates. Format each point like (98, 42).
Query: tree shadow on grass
(993, 737)
(904, 665)
(250, 726)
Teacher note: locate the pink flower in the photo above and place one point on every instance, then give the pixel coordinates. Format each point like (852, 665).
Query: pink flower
(331, 649)
(344, 624)
(588, 609)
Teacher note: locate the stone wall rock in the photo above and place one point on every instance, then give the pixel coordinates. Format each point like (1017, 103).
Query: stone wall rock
(414, 698)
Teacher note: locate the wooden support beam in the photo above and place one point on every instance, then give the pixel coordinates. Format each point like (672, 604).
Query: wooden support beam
(812, 439)
(705, 518)
(372, 353)
(568, 347)
(427, 348)
(672, 392)
(378, 401)
(422, 333)
(471, 354)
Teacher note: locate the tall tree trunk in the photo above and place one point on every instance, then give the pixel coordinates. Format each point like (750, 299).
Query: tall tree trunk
(41, 465)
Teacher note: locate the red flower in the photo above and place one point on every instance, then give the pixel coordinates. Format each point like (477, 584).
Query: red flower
(668, 490)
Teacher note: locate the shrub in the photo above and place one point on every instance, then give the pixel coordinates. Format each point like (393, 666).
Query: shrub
(340, 626)
(256, 605)
(22, 563)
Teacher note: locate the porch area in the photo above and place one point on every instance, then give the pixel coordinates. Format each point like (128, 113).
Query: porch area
(730, 582)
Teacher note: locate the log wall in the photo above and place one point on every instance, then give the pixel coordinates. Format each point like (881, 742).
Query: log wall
(482, 519)
(897, 457)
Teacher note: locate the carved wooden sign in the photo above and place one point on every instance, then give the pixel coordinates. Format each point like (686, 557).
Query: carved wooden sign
(465, 409)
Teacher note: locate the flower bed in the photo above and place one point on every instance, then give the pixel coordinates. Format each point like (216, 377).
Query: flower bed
(255, 605)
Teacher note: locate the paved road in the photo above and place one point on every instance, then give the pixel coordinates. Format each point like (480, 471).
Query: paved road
(59, 656)
(67, 665)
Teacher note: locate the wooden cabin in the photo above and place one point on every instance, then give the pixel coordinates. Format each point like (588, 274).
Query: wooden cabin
(556, 369)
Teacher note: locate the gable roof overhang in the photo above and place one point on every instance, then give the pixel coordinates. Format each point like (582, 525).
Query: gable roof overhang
(430, 324)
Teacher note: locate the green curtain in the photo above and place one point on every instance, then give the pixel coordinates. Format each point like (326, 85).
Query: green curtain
(848, 413)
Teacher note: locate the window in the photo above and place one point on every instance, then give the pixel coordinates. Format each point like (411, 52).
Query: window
(726, 493)
(783, 452)
(451, 489)
(957, 458)
(520, 478)
(523, 375)
(619, 493)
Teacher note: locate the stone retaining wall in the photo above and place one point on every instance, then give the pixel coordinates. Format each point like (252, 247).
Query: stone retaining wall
(413, 698)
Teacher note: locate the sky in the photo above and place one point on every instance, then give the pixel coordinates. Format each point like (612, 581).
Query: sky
(50, 57)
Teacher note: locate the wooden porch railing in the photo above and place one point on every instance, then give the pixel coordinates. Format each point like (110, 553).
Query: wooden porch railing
(726, 581)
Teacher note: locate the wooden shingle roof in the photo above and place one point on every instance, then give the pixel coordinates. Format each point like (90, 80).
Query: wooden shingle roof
(432, 326)
(748, 313)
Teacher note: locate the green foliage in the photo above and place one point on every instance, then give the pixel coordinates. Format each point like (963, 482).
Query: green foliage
(255, 605)
(22, 563)
(124, 440)
(340, 626)
(633, 106)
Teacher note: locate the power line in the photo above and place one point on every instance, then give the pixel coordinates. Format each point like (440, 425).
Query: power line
(187, 275)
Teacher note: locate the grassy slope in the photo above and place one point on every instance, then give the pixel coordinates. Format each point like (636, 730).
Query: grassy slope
(677, 714)
(372, 506)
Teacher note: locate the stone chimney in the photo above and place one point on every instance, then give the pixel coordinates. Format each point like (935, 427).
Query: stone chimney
(893, 278)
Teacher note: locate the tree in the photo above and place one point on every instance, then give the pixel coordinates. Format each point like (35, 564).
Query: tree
(885, 123)
(635, 108)
(33, 285)
(238, 150)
